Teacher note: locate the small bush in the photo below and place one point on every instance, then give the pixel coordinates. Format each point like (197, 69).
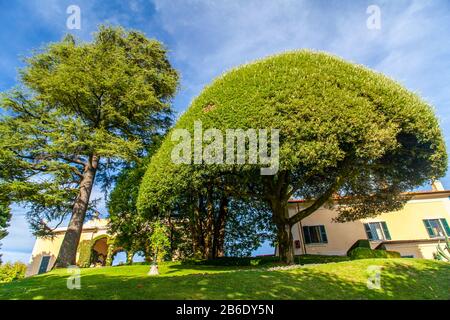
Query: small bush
(366, 253)
(12, 271)
(84, 249)
(362, 243)
(443, 254)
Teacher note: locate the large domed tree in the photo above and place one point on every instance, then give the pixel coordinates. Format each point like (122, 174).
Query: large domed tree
(346, 134)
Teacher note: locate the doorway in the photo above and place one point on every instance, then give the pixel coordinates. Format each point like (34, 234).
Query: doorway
(44, 264)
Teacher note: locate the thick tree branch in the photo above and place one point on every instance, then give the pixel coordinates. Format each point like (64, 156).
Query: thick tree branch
(72, 159)
(318, 202)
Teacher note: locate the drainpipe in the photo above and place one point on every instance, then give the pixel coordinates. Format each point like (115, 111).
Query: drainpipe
(301, 233)
(303, 238)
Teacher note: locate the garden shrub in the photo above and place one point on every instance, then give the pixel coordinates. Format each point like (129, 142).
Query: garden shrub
(366, 253)
(12, 271)
(84, 249)
(362, 243)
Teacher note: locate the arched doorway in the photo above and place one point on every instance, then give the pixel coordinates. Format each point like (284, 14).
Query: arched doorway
(99, 251)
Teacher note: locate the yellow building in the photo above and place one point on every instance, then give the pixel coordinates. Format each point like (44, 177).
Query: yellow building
(46, 250)
(413, 231)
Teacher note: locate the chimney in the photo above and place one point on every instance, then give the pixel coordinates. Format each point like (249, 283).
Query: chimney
(436, 185)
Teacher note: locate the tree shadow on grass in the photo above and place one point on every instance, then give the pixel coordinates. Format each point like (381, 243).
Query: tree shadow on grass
(430, 282)
(178, 269)
(398, 281)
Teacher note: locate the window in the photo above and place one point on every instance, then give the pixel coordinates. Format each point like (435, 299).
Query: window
(44, 264)
(377, 231)
(437, 227)
(315, 234)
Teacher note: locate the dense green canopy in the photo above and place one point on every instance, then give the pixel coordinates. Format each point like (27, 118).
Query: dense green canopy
(344, 130)
(326, 109)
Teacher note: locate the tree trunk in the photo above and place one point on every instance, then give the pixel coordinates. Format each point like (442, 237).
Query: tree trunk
(171, 235)
(148, 254)
(68, 251)
(285, 243)
(197, 229)
(219, 229)
(284, 231)
(209, 224)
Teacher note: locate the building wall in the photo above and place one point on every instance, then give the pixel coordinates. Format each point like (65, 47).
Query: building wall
(405, 224)
(416, 250)
(44, 247)
(50, 247)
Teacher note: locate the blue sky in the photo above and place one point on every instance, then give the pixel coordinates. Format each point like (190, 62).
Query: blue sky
(206, 38)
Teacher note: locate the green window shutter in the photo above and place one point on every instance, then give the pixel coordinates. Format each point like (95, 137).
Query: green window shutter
(306, 234)
(429, 229)
(368, 231)
(387, 235)
(323, 234)
(446, 227)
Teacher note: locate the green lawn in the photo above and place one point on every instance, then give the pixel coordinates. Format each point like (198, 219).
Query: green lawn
(400, 279)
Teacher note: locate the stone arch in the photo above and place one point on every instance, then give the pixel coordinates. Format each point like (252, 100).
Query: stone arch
(99, 250)
(95, 251)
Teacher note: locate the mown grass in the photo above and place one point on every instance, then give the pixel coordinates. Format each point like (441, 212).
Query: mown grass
(400, 279)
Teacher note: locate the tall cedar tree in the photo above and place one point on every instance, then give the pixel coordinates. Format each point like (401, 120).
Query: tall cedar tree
(81, 111)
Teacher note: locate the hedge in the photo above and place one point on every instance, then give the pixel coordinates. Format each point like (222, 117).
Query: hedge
(362, 243)
(366, 253)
